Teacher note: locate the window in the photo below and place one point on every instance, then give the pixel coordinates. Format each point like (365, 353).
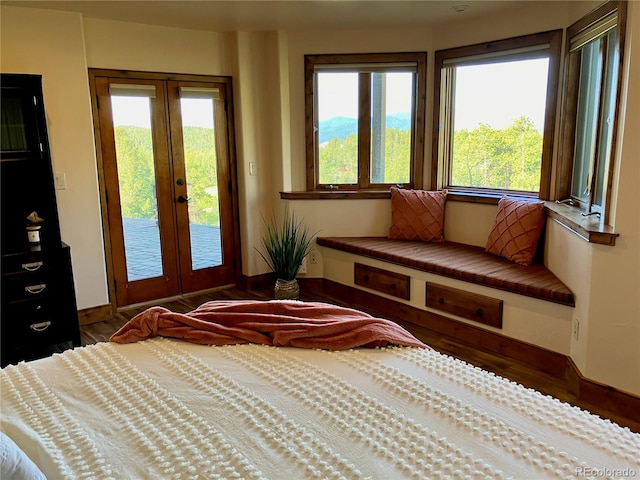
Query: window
(594, 53)
(496, 108)
(365, 120)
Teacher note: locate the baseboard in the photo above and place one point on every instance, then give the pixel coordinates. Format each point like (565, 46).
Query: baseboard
(258, 281)
(546, 360)
(600, 395)
(91, 315)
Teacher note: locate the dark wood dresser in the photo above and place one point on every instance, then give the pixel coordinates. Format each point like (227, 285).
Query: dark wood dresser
(38, 313)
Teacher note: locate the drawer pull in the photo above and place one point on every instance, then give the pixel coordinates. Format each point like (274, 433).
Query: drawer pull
(479, 312)
(35, 289)
(366, 278)
(441, 301)
(393, 286)
(32, 267)
(40, 327)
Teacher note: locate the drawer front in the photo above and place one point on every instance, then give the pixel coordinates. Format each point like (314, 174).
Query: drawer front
(472, 306)
(24, 264)
(31, 322)
(391, 283)
(27, 287)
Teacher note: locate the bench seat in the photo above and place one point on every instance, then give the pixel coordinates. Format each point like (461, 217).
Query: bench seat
(462, 262)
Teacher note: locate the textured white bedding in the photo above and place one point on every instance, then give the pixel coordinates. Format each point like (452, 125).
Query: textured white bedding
(168, 409)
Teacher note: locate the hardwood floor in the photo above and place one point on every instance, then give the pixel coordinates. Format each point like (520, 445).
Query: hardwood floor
(514, 370)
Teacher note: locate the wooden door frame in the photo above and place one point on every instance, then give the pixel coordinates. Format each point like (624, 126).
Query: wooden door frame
(231, 146)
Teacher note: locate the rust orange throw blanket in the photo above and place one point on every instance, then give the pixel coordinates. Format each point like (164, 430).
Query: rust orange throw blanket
(277, 323)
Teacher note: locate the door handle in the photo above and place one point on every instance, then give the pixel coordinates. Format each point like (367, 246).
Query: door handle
(183, 199)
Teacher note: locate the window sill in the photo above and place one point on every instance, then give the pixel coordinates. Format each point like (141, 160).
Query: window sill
(456, 196)
(336, 195)
(588, 228)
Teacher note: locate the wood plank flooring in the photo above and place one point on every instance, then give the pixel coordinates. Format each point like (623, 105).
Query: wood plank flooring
(516, 371)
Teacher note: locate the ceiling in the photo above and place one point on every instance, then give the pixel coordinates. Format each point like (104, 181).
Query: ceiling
(267, 15)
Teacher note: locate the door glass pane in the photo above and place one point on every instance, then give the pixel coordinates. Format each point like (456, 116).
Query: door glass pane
(199, 142)
(338, 127)
(137, 183)
(391, 99)
(498, 124)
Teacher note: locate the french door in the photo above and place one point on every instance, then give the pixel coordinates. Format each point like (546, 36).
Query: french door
(169, 179)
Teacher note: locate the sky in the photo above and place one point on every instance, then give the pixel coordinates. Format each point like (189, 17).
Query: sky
(340, 90)
(499, 93)
(495, 94)
(135, 111)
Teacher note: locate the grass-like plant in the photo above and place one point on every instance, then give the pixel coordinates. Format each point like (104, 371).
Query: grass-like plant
(285, 244)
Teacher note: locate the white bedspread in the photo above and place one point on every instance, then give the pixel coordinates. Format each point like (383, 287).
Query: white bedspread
(167, 409)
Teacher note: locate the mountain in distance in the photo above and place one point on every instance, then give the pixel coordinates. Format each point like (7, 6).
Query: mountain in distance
(342, 127)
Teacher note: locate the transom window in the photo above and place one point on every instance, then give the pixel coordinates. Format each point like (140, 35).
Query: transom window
(496, 106)
(365, 120)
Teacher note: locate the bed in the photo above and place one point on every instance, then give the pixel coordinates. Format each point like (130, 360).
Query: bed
(162, 407)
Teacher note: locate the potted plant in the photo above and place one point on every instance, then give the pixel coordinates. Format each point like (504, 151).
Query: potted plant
(284, 246)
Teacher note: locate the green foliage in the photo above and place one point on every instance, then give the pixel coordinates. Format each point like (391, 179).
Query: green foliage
(202, 175)
(136, 175)
(285, 244)
(505, 159)
(338, 163)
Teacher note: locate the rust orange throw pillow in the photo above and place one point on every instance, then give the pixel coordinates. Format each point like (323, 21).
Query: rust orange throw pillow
(417, 215)
(516, 230)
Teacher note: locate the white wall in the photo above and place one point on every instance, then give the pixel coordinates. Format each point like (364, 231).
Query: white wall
(135, 46)
(52, 44)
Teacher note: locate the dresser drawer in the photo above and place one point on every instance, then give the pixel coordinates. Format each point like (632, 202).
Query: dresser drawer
(472, 306)
(25, 264)
(32, 322)
(27, 287)
(391, 283)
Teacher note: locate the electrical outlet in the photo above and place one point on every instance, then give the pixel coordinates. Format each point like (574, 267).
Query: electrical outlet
(313, 257)
(576, 329)
(303, 266)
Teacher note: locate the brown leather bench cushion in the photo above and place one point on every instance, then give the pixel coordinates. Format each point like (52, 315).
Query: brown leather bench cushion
(459, 261)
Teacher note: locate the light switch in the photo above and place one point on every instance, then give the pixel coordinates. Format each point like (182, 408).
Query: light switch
(253, 168)
(60, 181)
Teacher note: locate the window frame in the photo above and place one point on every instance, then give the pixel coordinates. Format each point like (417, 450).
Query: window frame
(443, 93)
(364, 118)
(568, 122)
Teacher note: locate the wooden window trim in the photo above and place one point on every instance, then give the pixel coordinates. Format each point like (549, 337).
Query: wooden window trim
(564, 167)
(440, 161)
(417, 135)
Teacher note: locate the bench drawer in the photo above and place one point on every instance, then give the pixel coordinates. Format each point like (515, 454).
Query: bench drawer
(472, 306)
(391, 283)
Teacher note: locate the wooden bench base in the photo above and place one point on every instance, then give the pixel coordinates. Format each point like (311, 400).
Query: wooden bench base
(462, 262)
